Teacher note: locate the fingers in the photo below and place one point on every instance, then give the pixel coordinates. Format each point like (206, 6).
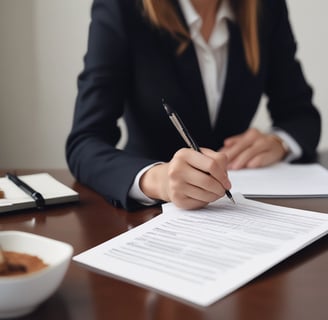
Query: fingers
(216, 166)
(196, 179)
(252, 149)
(236, 145)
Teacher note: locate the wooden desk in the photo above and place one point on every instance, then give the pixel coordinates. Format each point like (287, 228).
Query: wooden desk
(295, 289)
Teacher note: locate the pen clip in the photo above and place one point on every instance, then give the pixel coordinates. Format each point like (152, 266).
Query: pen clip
(179, 125)
(180, 130)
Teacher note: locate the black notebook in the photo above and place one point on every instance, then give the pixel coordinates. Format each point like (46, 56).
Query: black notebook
(52, 190)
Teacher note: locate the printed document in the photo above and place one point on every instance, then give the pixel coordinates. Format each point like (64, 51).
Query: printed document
(203, 255)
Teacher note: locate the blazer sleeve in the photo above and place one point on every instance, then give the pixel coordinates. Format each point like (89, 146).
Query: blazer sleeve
(289, 95)
(102, 90)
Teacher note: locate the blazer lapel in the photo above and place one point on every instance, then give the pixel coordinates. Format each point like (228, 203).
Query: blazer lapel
(193, 107)
(229, 109)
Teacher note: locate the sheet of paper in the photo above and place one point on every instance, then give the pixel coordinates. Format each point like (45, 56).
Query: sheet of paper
(201, 256)
(281, 180)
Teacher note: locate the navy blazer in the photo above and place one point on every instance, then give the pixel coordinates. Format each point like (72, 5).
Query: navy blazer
(130, 66)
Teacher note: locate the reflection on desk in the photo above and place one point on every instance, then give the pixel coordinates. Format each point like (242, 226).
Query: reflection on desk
(295, 289)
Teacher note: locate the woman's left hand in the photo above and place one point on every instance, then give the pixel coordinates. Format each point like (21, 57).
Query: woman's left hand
(253, 149)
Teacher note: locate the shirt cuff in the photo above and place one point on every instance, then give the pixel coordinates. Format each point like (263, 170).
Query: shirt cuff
(295, 151)
(135, 191)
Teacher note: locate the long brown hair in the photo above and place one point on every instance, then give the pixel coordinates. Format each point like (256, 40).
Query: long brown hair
(163, 15)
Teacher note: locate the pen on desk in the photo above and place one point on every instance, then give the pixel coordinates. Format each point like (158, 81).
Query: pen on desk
(28, 190)
(179, 125)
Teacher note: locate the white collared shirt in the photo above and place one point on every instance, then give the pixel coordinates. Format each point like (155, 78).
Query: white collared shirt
(212, 55)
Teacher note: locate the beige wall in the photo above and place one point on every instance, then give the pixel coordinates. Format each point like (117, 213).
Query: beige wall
(43, 43)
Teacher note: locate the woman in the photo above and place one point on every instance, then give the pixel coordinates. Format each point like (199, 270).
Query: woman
(212, 61)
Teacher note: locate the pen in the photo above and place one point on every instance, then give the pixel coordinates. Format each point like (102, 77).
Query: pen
(27, 189)
(179, 125)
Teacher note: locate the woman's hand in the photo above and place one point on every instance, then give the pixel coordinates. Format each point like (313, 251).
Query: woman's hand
(253, 149)
(191, 179)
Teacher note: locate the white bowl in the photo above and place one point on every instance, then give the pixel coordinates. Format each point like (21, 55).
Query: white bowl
(20, 295)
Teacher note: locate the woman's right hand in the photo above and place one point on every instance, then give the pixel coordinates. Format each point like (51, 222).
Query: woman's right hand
(190, 180)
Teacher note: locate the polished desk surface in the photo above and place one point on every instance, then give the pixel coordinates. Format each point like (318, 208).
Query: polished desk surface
(297, 288)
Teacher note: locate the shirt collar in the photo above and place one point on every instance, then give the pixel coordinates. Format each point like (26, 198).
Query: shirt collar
(193, 19)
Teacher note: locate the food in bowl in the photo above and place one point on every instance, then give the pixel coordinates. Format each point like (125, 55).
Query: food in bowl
(22, 294)
(16, 263)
